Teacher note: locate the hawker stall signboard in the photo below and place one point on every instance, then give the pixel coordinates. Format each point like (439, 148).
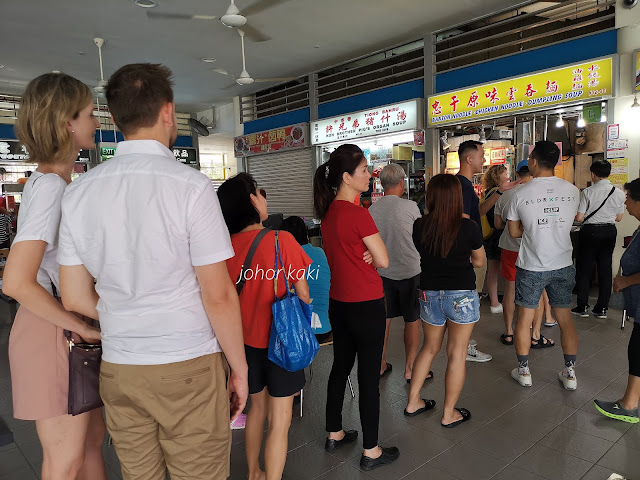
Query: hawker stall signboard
(588, 81)
(187, 155)
(285, 138)
(398, 117)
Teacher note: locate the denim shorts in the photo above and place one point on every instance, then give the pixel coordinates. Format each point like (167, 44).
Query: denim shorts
(558, 283)
(459, 306)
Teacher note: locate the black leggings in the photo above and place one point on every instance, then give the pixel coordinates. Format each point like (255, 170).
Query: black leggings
(633, 352)
(358, 329)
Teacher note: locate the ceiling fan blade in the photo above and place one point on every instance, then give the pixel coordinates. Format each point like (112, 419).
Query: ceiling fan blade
(222, 71)
(261, 6)
(254, 34)
(277, 79)
(178, 16)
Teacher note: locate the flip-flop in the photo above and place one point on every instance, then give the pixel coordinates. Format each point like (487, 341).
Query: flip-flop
(503, 339)
(387, 370)
(430, 377)
(466, 415)
(542, 342)
(428, 405)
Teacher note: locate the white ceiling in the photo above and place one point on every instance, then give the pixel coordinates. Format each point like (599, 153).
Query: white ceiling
(37, 36)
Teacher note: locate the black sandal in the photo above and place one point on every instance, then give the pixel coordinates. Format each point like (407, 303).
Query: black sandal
(503, 339)
(466, 416)
(428, 405)
(386, 370)
(542, 342)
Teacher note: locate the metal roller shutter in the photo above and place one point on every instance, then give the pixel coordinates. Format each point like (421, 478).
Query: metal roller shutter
(288, 179)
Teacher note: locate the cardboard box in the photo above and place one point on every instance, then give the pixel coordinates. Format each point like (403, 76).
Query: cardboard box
(582, 172)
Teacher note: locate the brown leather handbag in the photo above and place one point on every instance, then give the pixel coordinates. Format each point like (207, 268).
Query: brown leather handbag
(84, 376)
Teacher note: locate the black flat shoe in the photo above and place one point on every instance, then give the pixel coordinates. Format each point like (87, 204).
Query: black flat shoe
(389, 455)
(333, 445)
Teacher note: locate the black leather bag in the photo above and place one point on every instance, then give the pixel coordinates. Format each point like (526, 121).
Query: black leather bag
(84, 376)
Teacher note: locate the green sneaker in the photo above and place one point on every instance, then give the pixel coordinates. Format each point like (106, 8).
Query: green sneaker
(616, 411)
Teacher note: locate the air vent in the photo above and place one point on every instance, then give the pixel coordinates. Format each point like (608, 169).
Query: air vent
(532, 26)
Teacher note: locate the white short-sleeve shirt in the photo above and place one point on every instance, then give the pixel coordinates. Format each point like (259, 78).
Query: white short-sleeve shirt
(506, 242)
(593, 196)
(39, 219)
(140, 223)
(547, 207)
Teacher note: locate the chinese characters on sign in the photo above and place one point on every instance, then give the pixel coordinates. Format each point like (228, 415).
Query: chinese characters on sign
(186, 155)
(388, 119)
(294, 136)
(585, 81)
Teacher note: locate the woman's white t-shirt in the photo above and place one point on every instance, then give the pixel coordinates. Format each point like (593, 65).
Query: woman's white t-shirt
(39, 219)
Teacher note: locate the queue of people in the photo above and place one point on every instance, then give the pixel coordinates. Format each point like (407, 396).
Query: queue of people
(184, 330)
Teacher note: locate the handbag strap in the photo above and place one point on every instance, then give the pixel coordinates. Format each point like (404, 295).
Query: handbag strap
(278, 262)
(67, 333)
(242, 278)
(613, 189)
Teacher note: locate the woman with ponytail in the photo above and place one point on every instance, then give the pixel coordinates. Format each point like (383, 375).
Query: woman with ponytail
(356, 305)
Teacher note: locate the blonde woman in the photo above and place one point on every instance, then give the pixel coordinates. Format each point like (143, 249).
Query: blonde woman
(495, 177)
(55, 121)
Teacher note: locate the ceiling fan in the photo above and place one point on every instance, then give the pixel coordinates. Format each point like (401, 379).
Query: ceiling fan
(99, 89)
(245, 78)
(232, 18)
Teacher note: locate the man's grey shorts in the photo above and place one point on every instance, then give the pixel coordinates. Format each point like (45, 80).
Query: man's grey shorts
(558, 283)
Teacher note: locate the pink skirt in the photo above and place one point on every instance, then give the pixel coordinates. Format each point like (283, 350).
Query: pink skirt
(39, 362)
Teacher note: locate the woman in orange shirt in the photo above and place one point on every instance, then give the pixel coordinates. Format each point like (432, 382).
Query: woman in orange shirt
(245, 208)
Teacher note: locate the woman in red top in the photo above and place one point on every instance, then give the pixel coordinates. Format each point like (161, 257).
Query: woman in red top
(356, 305)
(245, 208)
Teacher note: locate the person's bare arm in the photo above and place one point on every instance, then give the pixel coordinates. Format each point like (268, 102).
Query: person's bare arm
(302, 290)
(498, 222)
(377, 249)
(78, 290)
(579, 217)
(491, 201)
(478, 257)
(485, 206)
(223, 309)
(622, 282)
(20, 282)
(515, 228)
(619, 217)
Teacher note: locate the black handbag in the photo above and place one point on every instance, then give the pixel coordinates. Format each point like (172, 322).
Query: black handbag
(84, 374)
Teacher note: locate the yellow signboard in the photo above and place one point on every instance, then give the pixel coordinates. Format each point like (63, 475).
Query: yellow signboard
(584, 81)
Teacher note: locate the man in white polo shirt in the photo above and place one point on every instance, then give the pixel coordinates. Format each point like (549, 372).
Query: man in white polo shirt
(541, 213)
(150, 231)
(601, 205)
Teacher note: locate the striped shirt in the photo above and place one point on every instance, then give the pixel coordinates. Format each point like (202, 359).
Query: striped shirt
(5, 227)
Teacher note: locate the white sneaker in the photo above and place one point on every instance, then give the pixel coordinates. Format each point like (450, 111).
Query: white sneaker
(550, 324)
(497, 309)
(522, 375)
(474, 355)
(568, 378)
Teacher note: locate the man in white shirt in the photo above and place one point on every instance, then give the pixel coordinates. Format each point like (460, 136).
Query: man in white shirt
(601, 205)
(394, 217)
(166, 305)
(542, 213)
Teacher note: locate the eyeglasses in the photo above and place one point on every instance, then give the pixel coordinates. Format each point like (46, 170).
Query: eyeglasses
(263, 192)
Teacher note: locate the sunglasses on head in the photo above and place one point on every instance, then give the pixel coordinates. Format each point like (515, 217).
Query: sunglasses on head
(263, 192)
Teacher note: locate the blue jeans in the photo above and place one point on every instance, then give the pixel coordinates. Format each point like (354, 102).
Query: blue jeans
(558, 283)
(459, 306)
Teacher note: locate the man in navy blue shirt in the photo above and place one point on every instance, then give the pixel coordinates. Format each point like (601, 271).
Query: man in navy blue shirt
(471, 154)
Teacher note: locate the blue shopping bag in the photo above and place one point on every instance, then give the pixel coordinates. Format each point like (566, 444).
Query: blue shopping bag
(292, 344)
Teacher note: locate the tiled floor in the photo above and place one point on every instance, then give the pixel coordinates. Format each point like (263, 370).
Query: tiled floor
(515, 433)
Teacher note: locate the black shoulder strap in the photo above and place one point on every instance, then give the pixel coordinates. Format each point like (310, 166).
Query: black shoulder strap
(242, 278)
(613, 189)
